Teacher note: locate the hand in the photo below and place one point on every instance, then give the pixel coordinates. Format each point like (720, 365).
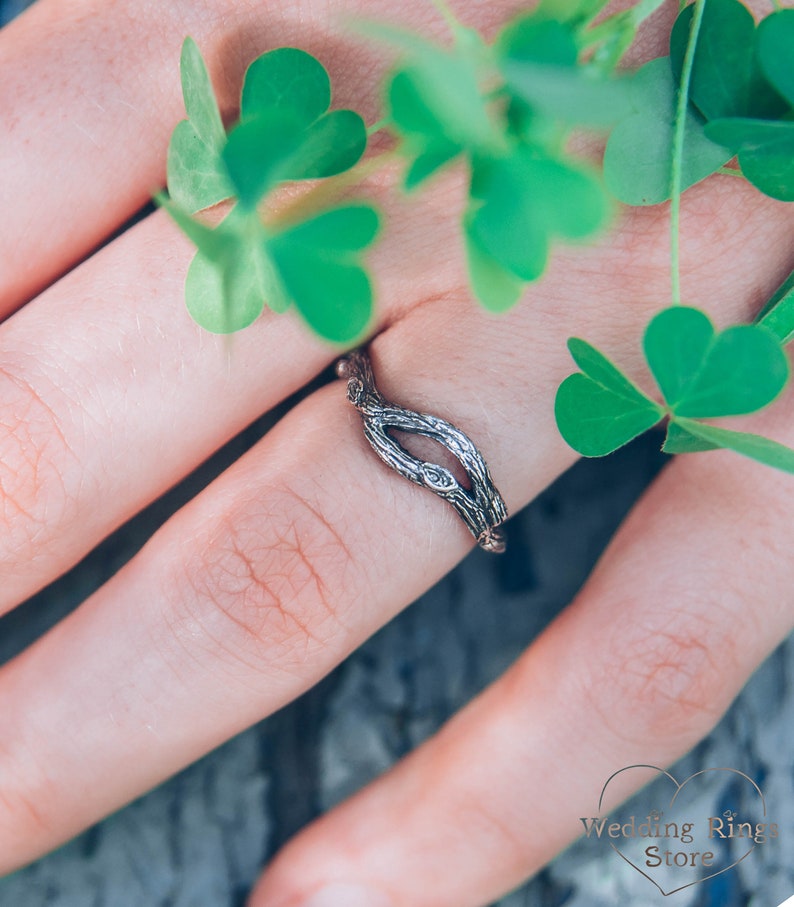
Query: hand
(286, 563)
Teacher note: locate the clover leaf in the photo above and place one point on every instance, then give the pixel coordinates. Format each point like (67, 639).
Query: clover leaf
(705, 374)
(196, 176)
(314, 265)
(515, 208)
(638, 156)
(701, 373)
(598, 409)
(765, 149)
(319, 263)
(286, 131)
(727, 77)
(539, 61)
(775, 43)
(743, 83)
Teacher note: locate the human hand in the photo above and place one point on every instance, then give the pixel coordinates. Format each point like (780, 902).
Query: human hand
(298, 552)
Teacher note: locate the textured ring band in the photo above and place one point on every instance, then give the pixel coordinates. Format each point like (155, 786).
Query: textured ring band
(480, 506)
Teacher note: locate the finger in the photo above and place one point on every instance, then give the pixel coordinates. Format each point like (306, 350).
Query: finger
(693, 593)
(88, 437)
(272, 575)
(125, 394)
(91, 93)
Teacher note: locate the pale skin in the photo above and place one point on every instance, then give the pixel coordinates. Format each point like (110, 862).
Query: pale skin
(109, 394)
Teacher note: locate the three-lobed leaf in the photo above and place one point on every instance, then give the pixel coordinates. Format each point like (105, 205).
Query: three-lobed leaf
(319, 264)
(705, 374)
(520, 201)
(638, 156)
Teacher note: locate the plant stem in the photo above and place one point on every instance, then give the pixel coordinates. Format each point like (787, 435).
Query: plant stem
(380, 124)
(679, 128)
(328, 191)
(731, 171)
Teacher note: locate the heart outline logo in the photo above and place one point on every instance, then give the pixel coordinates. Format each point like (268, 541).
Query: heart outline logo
(678, 788)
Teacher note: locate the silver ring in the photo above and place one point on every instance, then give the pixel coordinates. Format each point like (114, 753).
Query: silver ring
(480, 506)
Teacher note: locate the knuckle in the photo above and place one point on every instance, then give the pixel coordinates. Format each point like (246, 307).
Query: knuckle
(257, 585)
(664, 678)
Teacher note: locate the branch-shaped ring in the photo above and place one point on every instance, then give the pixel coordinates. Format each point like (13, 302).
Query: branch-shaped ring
(480, 507)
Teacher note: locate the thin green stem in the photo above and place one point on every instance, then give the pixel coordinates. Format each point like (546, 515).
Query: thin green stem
(679, 129)
(380, 124)
(730, 171)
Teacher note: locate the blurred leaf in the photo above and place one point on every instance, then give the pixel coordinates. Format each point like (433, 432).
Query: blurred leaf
(519, 202)
(493, 285)
(575, 96)
(436, 102)
(258, 153)
(765, 149)
(778, 314)
(288, 80)
(286, 132)
(319, 265)
(638, 157)
(727, 80)
(704, 374)
(424, 139)
(332, 144)
(346, 230)
(757, 448)
(775, 49)
(542, 41)
(679, 441)
(224, 298)
(595, 421)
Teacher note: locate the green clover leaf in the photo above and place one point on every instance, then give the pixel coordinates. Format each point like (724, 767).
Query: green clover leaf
(638, 156)
(705, 374)
(775, 43)
(286, 131)
(764, 450)
(538, 60)
(515, 208)
(701, 373)
(314, 265)
(196, 176)
(319, 263)
(727, 78)
(598, 409)
(765, 149)
(778, 314)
